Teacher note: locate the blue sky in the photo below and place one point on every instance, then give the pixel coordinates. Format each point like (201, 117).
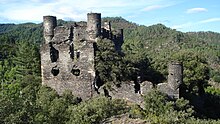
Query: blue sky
(183, 15)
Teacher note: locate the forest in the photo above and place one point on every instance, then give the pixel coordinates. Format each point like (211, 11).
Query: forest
(146, 52)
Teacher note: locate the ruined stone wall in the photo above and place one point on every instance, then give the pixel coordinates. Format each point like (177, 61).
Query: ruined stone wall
(80, 33)
(134, 92)
(67, 59)
(115, 35)
(127, 91)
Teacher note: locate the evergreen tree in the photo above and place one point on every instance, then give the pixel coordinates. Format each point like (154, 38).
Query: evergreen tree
(196, 71)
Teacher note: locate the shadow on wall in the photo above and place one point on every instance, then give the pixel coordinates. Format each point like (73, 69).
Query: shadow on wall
(151, 75)
(54, 53)
(154, 76)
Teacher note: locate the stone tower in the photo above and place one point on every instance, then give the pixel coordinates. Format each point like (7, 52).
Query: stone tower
(119, 38)
(49, 23)
(175, 79)
(67, 55)
(93, 25)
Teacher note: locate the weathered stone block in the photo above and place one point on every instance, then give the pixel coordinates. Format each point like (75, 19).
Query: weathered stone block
(145, 87)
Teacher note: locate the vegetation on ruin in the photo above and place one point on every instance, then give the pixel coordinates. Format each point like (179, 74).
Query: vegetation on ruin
(146, 52)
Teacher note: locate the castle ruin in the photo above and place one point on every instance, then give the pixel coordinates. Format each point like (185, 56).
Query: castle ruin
(67, 60)
(67, 54)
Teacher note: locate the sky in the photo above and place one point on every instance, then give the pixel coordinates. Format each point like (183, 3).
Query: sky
(182, 15)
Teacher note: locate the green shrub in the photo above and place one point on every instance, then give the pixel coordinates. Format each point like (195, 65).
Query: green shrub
(160, 109)
(201, 121)
(216, 78)
(136, 112)
(212, 90)
(95, 110)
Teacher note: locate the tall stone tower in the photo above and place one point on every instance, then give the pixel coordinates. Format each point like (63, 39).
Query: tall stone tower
(49, 22)
(118, 39)
(93, 25)
(175, 79)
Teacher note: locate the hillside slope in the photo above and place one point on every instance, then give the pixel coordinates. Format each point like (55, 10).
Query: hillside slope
(160, 43)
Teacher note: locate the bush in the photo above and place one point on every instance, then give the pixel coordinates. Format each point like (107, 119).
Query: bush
(136, 112)
(215, 75)
(96, 110)
(216, 78)
(212, 90)
(159, 108)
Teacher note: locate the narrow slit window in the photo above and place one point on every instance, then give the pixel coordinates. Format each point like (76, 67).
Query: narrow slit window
(71, 52)
(77, 54)
(54, 53)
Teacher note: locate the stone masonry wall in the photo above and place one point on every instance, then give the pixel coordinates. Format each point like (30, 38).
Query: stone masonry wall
(67, 60)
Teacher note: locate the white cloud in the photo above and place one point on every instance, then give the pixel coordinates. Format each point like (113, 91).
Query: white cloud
(196, 10)
(153, 7)
(159, 4)
(34, 10)
(193, 24)
(210, 20)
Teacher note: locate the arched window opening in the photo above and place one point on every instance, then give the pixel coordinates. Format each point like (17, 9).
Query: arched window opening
(75, 71)
(55, 71)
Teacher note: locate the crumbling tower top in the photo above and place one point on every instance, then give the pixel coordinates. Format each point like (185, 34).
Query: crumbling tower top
(93, 25)
(107, 26)
(49, 22)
